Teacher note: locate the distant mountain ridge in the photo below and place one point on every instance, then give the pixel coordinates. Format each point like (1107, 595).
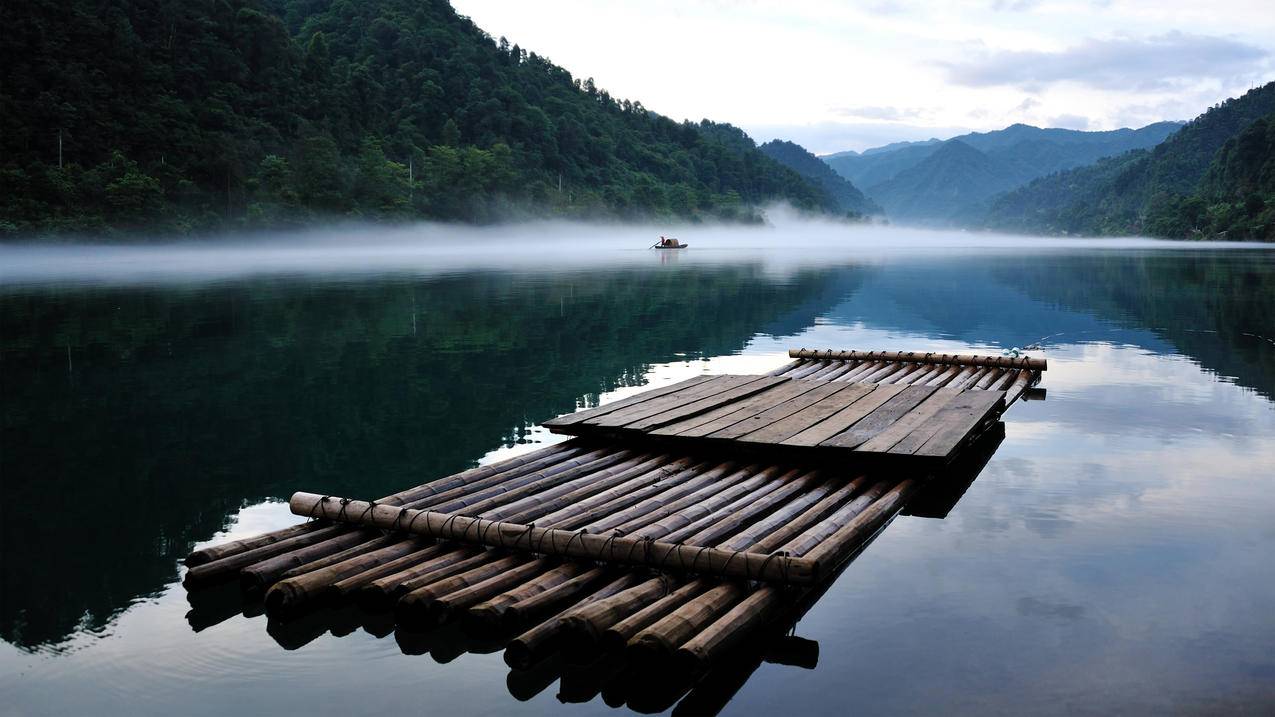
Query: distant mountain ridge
(844, 194)
(935, 182)
(1216, 176)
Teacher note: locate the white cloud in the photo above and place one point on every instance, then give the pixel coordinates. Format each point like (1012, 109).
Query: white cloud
(889, 70)
(1121, 63)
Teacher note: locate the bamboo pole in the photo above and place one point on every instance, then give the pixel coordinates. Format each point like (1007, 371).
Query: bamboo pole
(865, 368)
(1036, 364)
(226, 550)
(533, 645)
(786, 368)
(381, 592)
(624, 495)
(345, 587)
(292, 591)
(614, 638)
(490, 610)
(556, 598)
(487, 476)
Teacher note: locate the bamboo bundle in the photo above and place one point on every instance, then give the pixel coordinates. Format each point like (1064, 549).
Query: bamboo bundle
(626, 495)
(413, 608)
(551, 600)
(226, 565)
(670, 499)
(543, 455)
(491, 610)
(533, 645)
(345, 587)
(292, 591)
(787, 368)
(756, 609)
(1036, 364)
(615, 637)
(439, 603)
(381, 592)
(867, 367)
(374, 544)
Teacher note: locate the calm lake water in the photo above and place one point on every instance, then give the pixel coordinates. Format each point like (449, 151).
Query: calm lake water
(1115, 555)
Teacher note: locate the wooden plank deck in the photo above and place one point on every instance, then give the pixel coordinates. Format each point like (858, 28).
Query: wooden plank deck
(921, 407)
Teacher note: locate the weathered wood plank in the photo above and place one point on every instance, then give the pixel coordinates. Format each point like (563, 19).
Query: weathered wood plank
(881, 418)
(885, 440)
(755, 386)
(578, 416)
(958, 419)
(780, 411)
(810, 415)
(846, 417)
(705, 423)
(717, 384)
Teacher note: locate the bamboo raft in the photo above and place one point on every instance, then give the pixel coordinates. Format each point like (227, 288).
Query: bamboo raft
(673, 527)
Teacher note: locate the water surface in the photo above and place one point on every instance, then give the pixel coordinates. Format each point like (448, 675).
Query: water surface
(1114, 555)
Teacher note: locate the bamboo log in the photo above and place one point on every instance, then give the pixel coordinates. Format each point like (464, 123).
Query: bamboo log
(732, 517)
(786, 368)
(812, 368)
(440, 605)
(381, 593)
(259, 575)
(889, 369)
(291, 592)
(658, 641)
(225, 550)
(906, 374)
(572, 492)
(830, 552)
(865, 368)
(673, 495)
(582, 627)
(624, 495)
(554, 599)
(344, 588)
(533, 645)
(945, 376)
(646, 527)
(1036, 364)
(413, 609)
(783, 526)
(616, 636)
(1019, 385)
(216, 552)
(491, 611)
(627, 550)
(991, 376)
(376, 543)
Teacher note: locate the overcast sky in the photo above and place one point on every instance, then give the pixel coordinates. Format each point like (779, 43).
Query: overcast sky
(843, 75)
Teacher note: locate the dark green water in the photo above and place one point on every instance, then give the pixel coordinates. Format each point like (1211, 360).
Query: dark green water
(1113, 556)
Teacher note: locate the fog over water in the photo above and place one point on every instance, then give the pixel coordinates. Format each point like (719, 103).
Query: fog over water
(787, 242)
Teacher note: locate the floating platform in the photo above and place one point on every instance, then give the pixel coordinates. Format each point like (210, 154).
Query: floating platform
(672, 527)
(841, 406)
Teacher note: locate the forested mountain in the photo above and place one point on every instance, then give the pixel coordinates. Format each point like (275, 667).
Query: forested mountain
(939, 183)
(847, 197)
(948, 181)
(1215, 176)
(187, 115)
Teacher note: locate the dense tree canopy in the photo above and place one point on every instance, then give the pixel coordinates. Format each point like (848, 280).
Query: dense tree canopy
(189, 115)
(1211, 179)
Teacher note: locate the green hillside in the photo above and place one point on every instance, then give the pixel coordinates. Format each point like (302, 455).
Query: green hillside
(934, 182)
(845, 196)
(1211, 178)
(174, 116)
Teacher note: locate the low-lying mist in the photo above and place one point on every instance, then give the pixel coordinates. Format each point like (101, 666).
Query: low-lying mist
(786, 243)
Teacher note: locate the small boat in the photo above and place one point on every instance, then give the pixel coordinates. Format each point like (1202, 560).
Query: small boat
(669, 246)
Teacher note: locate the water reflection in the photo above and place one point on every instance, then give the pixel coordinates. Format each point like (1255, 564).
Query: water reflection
(1119, 538)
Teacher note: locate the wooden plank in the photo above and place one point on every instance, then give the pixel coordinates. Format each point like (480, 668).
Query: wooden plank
(958, 419)
(810, 415)
(780, 411)
(578, 416)
(738, 393)
(885, 440)
(716, 384)
(846, 417)
(705, 423)
(881, 418)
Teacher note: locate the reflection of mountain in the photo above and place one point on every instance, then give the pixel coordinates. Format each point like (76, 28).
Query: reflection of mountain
(1212, 307)
(181, 406)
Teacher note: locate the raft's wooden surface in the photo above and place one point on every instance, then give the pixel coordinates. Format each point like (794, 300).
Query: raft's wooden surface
(918, 407)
